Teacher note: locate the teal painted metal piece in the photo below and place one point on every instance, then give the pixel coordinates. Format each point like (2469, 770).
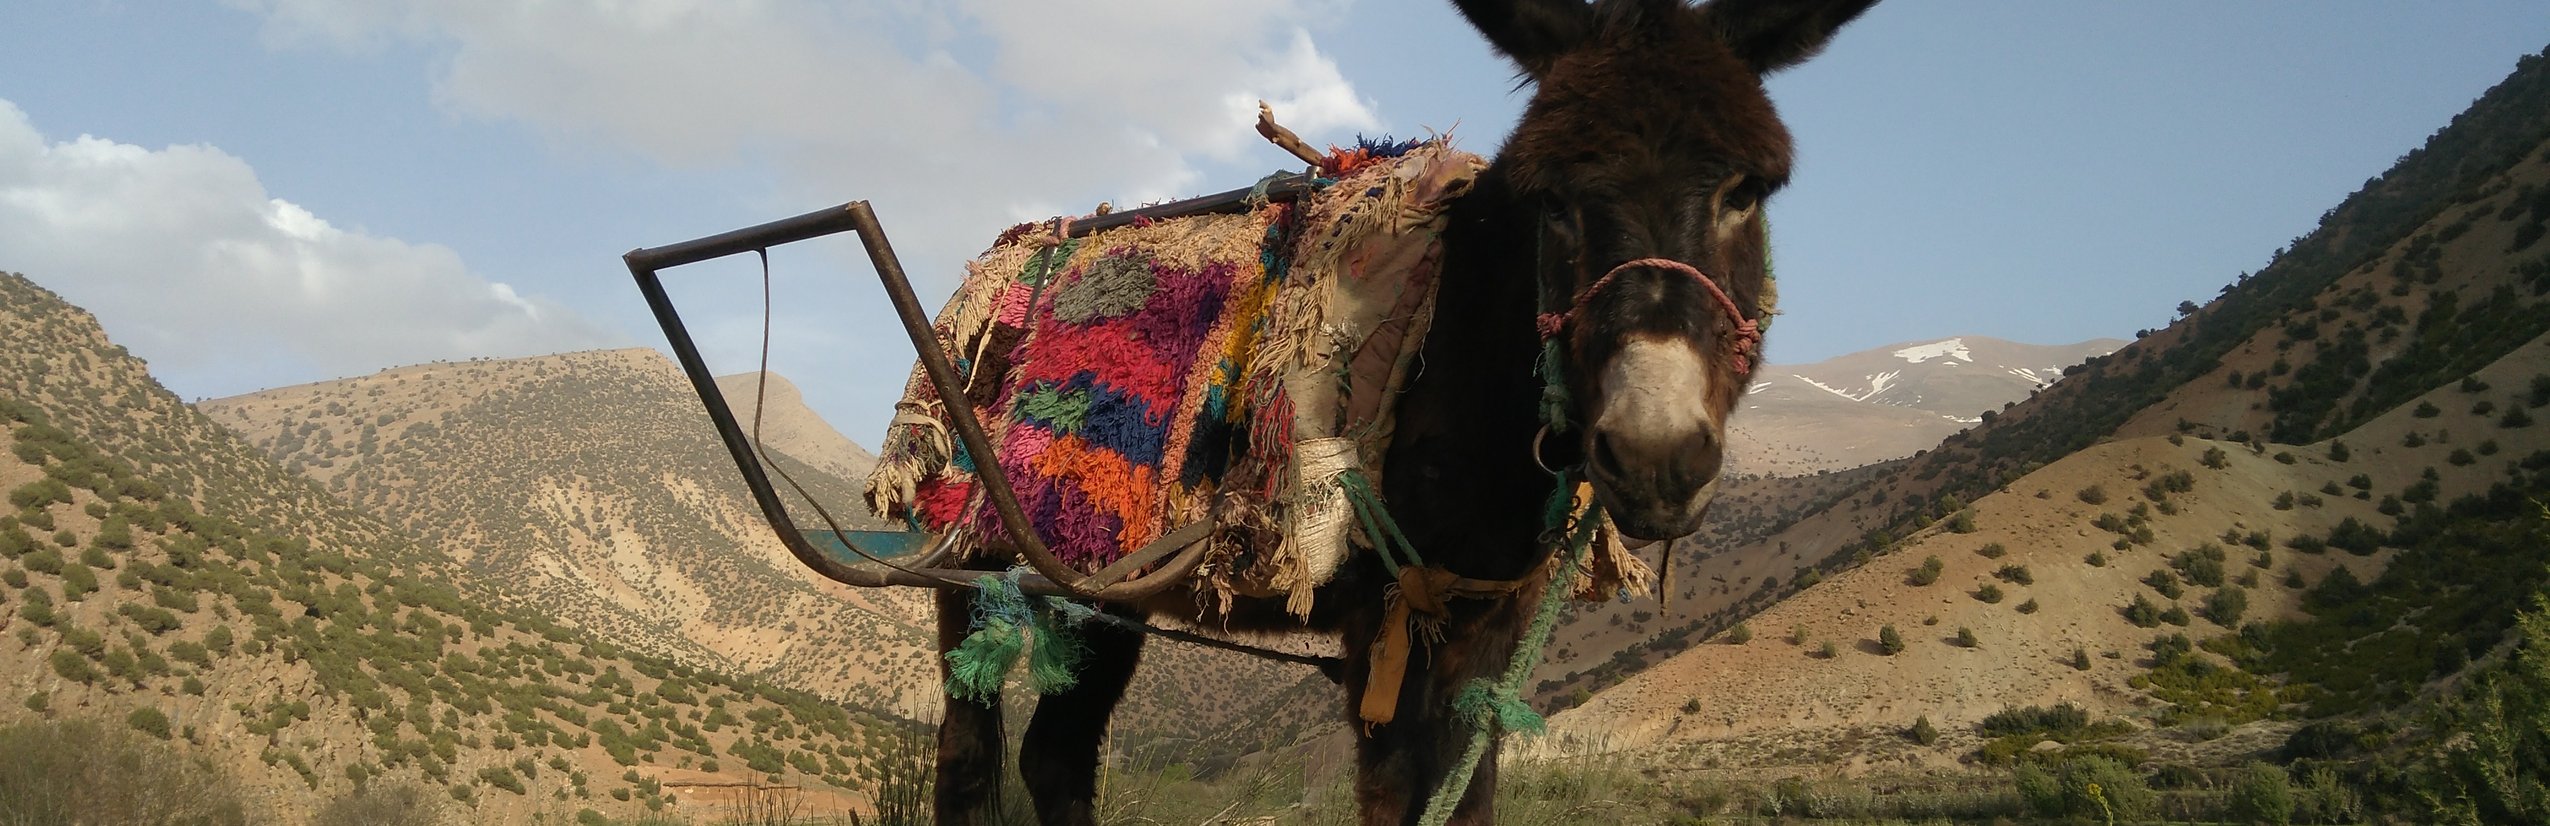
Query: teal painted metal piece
(880, 544)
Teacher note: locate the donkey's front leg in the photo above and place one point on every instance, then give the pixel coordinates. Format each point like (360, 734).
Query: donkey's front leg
(969, 765)
(1401, 764)
(1058, 758)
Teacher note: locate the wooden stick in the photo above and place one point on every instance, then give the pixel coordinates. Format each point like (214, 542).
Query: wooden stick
(1282, 137)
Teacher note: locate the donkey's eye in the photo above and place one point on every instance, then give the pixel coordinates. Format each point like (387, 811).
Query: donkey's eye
(1744, 195)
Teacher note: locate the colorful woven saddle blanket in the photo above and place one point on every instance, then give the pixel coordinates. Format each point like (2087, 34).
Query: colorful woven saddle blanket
(1232, 368)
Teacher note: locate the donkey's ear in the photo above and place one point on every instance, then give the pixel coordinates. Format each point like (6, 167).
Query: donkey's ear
(1770, 35)
(1532, 32)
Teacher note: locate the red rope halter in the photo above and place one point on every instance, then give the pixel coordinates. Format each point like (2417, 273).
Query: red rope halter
(1744, 343)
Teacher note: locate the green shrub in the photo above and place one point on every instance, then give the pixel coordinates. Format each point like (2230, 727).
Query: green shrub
(1993, 550)
(1889, 642)
(80, 772)
(2224, 606)
(383, 804)
(44, 561)
(1988, 593)
(2355, 537)
(2142, 613)
(1740, 634)
(1922, 731)
(2260, 794)
(148, 720)
(1928, 572)
(2015, 575)
(2093, 494)
(1966, 638)
(502, 777)
(2091, 787)
(71, 666)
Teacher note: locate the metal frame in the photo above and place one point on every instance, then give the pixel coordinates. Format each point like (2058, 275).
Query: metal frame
(1176, 554)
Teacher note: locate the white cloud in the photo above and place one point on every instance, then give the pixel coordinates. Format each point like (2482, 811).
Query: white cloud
(953, 117)
(202, 271)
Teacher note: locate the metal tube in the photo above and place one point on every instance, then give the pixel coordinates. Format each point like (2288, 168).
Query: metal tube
(960, 410)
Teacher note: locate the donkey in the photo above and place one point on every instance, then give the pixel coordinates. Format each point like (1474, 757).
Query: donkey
(1623, 218)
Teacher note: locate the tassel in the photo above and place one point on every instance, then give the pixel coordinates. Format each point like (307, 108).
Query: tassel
(975, 668)
(1054, 666)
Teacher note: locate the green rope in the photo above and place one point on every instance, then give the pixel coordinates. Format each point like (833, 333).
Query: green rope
(1554, 397)
(1499, 705)
(1375, 517)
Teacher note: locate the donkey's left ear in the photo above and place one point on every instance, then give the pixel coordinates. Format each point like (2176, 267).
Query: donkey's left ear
(1770, 35)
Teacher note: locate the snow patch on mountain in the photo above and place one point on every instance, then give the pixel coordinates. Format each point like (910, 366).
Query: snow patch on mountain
(2033, 377)
(1953, 348)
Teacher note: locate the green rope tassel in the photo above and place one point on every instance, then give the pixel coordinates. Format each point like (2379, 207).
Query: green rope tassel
(1054, 665)
(975, 668)
(1003, 620)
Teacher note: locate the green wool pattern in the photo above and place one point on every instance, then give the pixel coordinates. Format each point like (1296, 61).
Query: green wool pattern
(1004, 618)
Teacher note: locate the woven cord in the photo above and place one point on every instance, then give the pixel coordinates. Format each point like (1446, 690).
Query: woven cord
(1377, 524)
(1499, 705)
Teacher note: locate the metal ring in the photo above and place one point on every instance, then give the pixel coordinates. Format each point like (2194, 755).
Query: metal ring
(1537, 436)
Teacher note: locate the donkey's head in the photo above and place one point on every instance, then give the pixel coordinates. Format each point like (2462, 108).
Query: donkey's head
(1646, 154)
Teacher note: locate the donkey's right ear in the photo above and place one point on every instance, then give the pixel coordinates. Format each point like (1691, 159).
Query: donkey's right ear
(1531, 32)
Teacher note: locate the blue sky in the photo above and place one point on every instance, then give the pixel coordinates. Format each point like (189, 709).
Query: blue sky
(255, 193)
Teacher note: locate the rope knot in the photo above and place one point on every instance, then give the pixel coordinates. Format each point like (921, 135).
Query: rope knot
(1486, 703)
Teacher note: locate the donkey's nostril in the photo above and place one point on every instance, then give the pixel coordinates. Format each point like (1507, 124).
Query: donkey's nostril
(1606, 459)
(1699, 456)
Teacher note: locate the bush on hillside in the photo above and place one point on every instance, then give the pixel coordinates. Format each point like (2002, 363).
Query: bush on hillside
(79, 772)
(381, 804)
(2092, 788)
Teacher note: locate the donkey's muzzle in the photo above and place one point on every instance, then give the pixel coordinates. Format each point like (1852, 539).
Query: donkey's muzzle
(1656, 486)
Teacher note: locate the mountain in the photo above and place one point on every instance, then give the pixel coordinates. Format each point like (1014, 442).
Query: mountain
(790, 427)
(2180, 511)
(589, 487)
(1888, 402)
(162, 574)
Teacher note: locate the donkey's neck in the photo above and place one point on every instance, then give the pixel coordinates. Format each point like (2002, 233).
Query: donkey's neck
(1460, 474)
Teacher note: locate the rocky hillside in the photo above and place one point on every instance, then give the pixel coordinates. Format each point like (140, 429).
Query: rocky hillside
(590, 487)
(790, 427)
(162, 574)
(1887, 402)
(2370, 395)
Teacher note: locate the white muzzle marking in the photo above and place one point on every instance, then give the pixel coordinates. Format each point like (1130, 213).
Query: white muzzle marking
(1654, 392)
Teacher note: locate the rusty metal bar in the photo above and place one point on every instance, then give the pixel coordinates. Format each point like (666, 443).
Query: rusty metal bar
(1053, 577)
(960, 410)
(643, 264)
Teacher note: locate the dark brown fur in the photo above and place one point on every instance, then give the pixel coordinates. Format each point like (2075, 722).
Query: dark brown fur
(1649, 136)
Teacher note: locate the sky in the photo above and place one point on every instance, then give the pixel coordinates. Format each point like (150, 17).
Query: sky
(259, 193)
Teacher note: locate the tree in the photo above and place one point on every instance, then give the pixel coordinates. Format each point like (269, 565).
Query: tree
(1889, 642)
